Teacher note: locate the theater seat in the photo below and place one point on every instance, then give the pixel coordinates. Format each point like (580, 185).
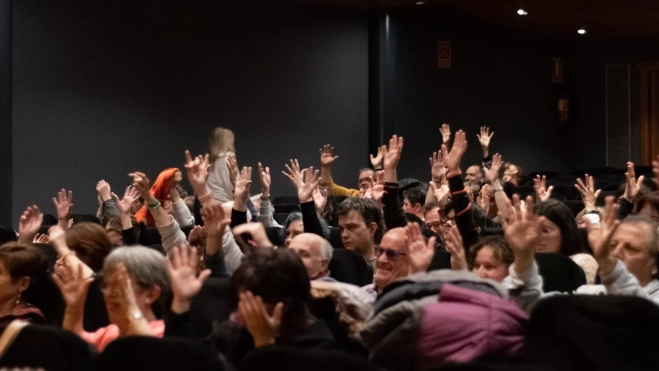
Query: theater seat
(139, 353)
(297, 359)
(49, 348)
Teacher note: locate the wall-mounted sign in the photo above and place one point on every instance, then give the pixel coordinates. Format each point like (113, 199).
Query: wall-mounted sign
(444, 54)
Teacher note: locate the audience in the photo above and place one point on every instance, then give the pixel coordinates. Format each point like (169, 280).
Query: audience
(225, 266)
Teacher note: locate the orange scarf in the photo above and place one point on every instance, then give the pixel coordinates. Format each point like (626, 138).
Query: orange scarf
(160, 191)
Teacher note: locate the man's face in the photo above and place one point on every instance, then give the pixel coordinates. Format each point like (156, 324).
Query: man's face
(136, 206)
(294, 229)
(392, 261)
(308, 248)
(631, 244)
(446, 222)
(408, 207)
(355, 234)
(366, 179)
(474, 175)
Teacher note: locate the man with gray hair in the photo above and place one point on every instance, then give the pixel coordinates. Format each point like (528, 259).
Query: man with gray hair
(316, 253)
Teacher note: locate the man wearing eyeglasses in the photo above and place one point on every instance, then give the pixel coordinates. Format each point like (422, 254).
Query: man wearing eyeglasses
(391, 261)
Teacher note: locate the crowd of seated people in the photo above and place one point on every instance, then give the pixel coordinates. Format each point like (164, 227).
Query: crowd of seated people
(395, 274)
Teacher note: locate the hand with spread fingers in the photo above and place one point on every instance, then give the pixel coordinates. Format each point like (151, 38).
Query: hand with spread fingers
(197, 170)
(492, 174)
(420, 252)
(327, 155)
(437, 167)
(63, 203)
(232, 165)
(261, 325)
(125, 204)
(452, 158)
(541, 191)
(599, 237)
(632, 185)
(587, 191)
(266, 180)
(484, 139)
(319, 198)
(103, 190)
(29, 224)
(377, 160)
(445, 130)
(182, 269)
(522, 230)
(453, 243)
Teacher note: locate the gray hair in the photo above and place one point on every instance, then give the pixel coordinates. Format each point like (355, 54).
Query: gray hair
(326, 250)
(146, 266)
(654, 226)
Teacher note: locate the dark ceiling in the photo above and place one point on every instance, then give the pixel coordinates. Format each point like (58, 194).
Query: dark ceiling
(601, 18)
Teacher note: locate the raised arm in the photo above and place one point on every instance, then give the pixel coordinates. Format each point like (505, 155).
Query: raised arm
(492, 175)
(306, 181)
(445, 130)
(109, 208)
(484, 139)
(63, 203)
(588, 193)
(182, 270)
(420, 252)
(393, 210)
(265, 212)
(240, 196)
(453, 243)
(377, 160)
(181, 212)
(542, 193)
(124, 205)
(169, 229)
(326, 159)
(463, 217)
(29, 224)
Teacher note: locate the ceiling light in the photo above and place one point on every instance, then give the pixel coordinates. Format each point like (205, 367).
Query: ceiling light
(522, 12)
(420, 2)
(581, 31)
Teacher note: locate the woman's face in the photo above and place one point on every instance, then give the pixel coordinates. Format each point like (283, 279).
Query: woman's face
(510, 174)
(486, 265)
(295, 228)
(116, 301)
(550, 237)
(10, 289)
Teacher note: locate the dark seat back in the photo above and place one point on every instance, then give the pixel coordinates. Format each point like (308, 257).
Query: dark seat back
(49, 348)
(210, 304)
(349, 267)
(598, 333)
(559, 272)
(294, 359)
(141, 353)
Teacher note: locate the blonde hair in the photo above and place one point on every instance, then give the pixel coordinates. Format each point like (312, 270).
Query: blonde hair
(221, 142)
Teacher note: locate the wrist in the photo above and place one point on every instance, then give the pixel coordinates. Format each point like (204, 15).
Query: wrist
(105, 197)
(180, 305)
(606, 265)
(263, 341)
(453, 172)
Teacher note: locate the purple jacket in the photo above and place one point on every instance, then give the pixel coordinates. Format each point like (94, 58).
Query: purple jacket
(467, 324)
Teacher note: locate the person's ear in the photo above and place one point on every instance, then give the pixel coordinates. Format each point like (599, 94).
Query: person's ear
(372, 228)
(153, 294)
(23, 284)
(418, 208)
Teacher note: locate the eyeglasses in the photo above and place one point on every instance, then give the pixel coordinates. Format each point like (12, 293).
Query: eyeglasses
(391, 254)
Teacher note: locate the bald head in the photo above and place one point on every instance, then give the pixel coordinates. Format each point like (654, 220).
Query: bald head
(314, 251)
(392, 260)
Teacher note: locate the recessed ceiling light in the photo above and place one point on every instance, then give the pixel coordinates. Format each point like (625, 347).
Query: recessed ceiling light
(581, 31)
(420, 2)
(522, 12)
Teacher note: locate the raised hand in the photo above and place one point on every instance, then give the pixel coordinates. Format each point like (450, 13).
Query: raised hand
(310, 182)
(522, 231)
(243, 184)
(441, 194)
(599, 238)
(327, 155)
(632, 186)
(125, 204)
(103, 189)
(73, 285)
(492, 174)
(182, 270)
(40, 238)
(445, 129)
(392, 153)
(420, 252)
(377, 192)
(232, 165)
(319, 198)
(483, 198)
(294, 174)
(266, 181)
(541, 191)
(118, 291)
(259, 323)
(377, 160)
(452, 159)
(437, 167)
(453, 243)
(215, 220)
(366, 192)
(197, 170)
(484, 139)
(142, 185)
(256, 230)
(63, 203)
(588, 193)
(29, 224)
